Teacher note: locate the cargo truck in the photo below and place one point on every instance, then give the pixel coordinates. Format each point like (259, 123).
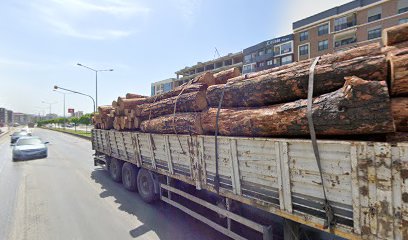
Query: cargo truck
(250, 183)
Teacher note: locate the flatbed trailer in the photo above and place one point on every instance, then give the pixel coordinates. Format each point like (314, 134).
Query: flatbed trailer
(366, 182)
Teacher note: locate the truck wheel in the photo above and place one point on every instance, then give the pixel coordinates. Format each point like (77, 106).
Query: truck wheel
(145, 185)
(115, 169)
(129, 176)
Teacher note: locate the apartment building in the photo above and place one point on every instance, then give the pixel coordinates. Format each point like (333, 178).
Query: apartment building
(268, 54)
(162, 86)
(10, 117)
(3, 116)
(219, 64)
(352, 24)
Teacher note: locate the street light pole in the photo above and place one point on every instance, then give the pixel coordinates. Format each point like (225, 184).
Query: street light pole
(96, 78)
(50, 103)
(65, 119)
(93, 100)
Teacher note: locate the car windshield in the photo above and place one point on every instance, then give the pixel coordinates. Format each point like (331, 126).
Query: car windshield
(30, 141)
(19, 133)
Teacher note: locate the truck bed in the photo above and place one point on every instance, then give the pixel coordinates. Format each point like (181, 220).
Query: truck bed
(366, 182)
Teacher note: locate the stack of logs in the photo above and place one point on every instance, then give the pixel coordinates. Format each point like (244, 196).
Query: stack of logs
(359, 91)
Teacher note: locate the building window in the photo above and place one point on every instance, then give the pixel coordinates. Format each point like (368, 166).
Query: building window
(276, 50)
(323, 29)
(374, 14)
(345, 22)
(269, 50)
(374, 33)
(403, 20)
(304, 36)
(247, 68)
(247, 58)
(269, 62)
(402, 6)
(345, 39)
(276, 62)
(287, 59)
(323, 45)
(260, 53)
(286, 48)
(304, 50)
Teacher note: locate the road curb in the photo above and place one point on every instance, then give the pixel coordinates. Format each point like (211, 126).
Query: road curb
(72, 134)
(4, 133)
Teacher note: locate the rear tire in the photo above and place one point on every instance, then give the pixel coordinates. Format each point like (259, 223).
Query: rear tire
(129, 176)
(145, 185)
(115, 169)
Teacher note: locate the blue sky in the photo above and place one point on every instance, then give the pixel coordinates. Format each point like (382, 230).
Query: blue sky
(143, 41)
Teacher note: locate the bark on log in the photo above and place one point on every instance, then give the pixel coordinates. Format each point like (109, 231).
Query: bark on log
(189, 102)
(360, 107)
(223, 76)
(131, 103)
(206, 78)
(185, 123)
(286, 86)
(396, 34)
(133, 95)
(395, 50)
(399, 75)
(188, 88)
(105, 110)
(397, 137)
(373, 49)
(399, 108)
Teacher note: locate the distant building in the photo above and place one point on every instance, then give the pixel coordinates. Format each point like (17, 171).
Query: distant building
(186, 74)
(51, 116)
(3, 116)
(268, 54)
(222, 63)
(162, 86)
(356, 23)
(78, 114)
(23, 118)
(10, 117)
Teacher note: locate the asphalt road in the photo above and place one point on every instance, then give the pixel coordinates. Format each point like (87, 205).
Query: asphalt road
(65, 197)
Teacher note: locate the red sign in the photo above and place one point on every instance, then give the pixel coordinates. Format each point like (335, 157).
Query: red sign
(71, 110)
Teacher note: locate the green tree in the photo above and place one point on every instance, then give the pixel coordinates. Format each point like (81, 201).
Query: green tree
(86, 120)
(75, 121)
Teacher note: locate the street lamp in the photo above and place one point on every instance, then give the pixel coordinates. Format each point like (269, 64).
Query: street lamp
(96, 78)
(55, 90)
(93, 100)
(49, 103)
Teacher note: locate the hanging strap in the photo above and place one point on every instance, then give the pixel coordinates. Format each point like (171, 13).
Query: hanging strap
(217, 177)
(330, 221)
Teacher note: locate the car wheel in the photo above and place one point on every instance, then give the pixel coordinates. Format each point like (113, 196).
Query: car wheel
(145, 186)
(115, 169)
(129, 176)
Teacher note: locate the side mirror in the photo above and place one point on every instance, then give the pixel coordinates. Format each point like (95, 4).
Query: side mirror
(46, 142)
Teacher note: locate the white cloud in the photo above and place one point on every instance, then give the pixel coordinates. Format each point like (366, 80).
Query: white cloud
(94, 20)
(187, 9)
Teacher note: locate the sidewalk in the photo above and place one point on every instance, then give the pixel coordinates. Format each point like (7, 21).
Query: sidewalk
(3, 131)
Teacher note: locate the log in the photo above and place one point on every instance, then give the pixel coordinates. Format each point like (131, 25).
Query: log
(360, 107)
(373, 49)
(395, 34)
(398, 75)
(133, 95)
(223, 76)
(188, 88)
(105, 110)
(287, 86)
(399, 108)
(124, 103)
(206, 78)
(189, 102)
(185, 123)
(395, 50)
(397, 137)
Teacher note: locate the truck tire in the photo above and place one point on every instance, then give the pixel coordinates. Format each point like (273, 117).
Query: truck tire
(115, 169)
(145, 186)
(129, 176)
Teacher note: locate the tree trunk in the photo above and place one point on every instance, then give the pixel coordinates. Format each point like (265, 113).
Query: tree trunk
(223, 76)
(188, 102)
(185, 123)
(373, 49)
(399, 108)
(131, 103)
(286, 86)
(360, 107)
(396, 34)
(132, 95)
(399, 75)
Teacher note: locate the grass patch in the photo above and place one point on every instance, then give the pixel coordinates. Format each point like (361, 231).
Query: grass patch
(77, 132)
